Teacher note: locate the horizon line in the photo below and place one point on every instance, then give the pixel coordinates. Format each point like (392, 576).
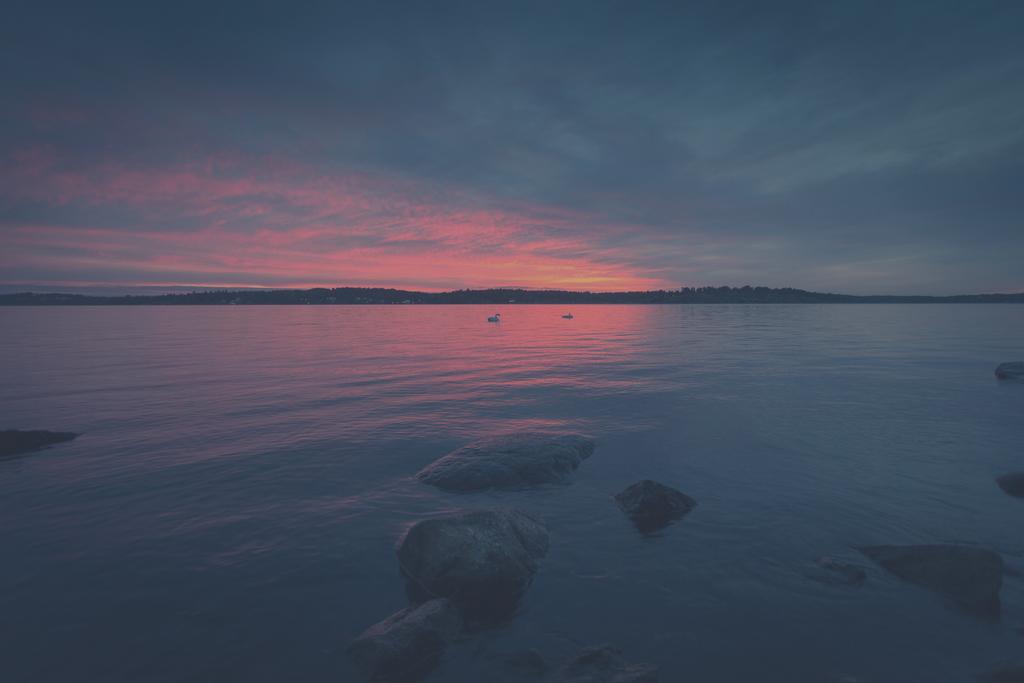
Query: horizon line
(184, 290)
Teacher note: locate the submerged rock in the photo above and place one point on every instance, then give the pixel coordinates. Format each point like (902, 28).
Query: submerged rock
(970, 577)
(836, 572)
(604, 664)
(652, 506)
(1012, 370)
(1006, 674)
(15, 441)
(408, 644)
(1012, 484)
(518, 460)
(483, 561)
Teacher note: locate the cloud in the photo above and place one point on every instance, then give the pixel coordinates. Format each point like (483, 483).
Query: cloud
(816, 144)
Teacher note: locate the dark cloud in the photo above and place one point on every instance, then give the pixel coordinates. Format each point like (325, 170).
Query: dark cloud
(831, 145)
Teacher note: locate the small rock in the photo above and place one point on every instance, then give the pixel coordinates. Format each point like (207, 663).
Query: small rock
(652, 506)
(970, 577)
(1012, 483)
(15, 441)
(509, 461)
(408, 644)
(1006, 674)
(839, 573)
(1012, 370)
(483, 561)
(604, 664)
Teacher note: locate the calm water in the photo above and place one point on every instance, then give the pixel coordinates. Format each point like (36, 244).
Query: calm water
(230, 512)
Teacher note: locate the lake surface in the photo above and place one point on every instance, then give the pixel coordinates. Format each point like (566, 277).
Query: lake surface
(231, 509)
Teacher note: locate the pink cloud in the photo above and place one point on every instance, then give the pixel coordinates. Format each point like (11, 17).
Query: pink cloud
(270, 222)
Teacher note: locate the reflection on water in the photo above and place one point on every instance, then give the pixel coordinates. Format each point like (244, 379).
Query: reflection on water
(231, 509)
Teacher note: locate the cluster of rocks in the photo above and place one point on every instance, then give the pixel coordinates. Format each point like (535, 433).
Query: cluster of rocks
(469, 570)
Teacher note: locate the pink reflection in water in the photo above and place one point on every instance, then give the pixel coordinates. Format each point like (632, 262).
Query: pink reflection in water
(222, 381)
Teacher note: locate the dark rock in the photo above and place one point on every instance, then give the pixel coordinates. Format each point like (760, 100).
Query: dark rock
(408, 644)
(518, 460)
(836, 572)
(15, 441)
(1006, 674)
(483, 561)
(604, 664)
(1012, 484)
(525, 663)
(652, 506)
(1013, 370)
(970, 577)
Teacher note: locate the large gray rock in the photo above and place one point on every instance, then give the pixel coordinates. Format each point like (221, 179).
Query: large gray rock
(15, 441)
(970, 577)
(518, 460)
(483, 561)
(406, 645)
(1012, 484)
(604, 664)
(652, 506)
(1012, 370)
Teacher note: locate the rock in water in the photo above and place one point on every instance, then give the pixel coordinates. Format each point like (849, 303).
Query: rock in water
(652, 506)
(604, 664)
(406, 645)
(1012, 483)
(970, 577)
(483, 561)
(517, 460)
(15, 441)
(1013, 370)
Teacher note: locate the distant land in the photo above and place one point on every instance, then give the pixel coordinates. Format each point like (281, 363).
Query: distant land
(365, 295)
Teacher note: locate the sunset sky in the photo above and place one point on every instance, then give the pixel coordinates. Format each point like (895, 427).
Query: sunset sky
(845, 146)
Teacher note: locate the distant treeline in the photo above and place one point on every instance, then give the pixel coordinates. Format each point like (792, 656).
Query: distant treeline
(363, 295)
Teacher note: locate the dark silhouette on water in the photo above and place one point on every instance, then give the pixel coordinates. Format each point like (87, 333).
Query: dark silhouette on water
(1012, 483)
(16, 441)
(1012, 370)
(969, 576)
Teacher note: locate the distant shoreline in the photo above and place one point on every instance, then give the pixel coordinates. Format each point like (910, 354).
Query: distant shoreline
(360, 296)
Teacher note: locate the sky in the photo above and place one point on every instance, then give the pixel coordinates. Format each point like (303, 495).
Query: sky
(859, 147)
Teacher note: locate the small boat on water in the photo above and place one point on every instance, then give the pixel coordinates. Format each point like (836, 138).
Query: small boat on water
(496, 318)
(567, 316)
